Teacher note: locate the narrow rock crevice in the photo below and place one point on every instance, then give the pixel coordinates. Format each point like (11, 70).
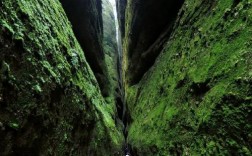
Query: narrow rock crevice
(120, 100)
(86, 19)
(125, 77)
(147, 34)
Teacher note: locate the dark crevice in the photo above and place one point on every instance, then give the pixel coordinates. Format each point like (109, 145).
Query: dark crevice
(147, 58)
(86, 19)
(119, 106)
(200, 89)
(235, 3)
(121, 7)
(145, 43)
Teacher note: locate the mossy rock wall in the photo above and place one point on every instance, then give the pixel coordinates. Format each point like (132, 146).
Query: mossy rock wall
(110, 47)
(197, 98)
(112, 62)
(86, 17)
(50, 102)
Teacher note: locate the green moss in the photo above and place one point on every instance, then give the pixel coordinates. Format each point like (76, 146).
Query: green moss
(110, 50)
(14, 125)
(196, 100)
(47, 86)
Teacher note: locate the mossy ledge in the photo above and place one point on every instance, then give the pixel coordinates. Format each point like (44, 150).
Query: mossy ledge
(50, 102)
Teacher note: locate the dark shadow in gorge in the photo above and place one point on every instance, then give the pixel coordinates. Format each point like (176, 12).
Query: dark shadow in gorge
(86, 19)
(149, 32)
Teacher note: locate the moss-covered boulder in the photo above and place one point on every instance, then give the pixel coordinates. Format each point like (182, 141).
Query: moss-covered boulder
(50, 102)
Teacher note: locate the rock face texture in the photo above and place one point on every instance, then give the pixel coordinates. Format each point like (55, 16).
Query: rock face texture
(187, 76)
(197, 97)
(112, 60)
(149, 24)
(86, 19)
(121, 7)
(50, 101)
(110, 46)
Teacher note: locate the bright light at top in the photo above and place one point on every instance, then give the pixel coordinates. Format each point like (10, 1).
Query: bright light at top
(112, 2)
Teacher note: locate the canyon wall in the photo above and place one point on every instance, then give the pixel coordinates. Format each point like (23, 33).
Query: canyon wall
(115, 98)
(86, 19)
(50, 100)
(196, 97)
(186, 86)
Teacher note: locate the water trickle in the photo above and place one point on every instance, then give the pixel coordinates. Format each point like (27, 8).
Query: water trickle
(119, 46)
(118, 36)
